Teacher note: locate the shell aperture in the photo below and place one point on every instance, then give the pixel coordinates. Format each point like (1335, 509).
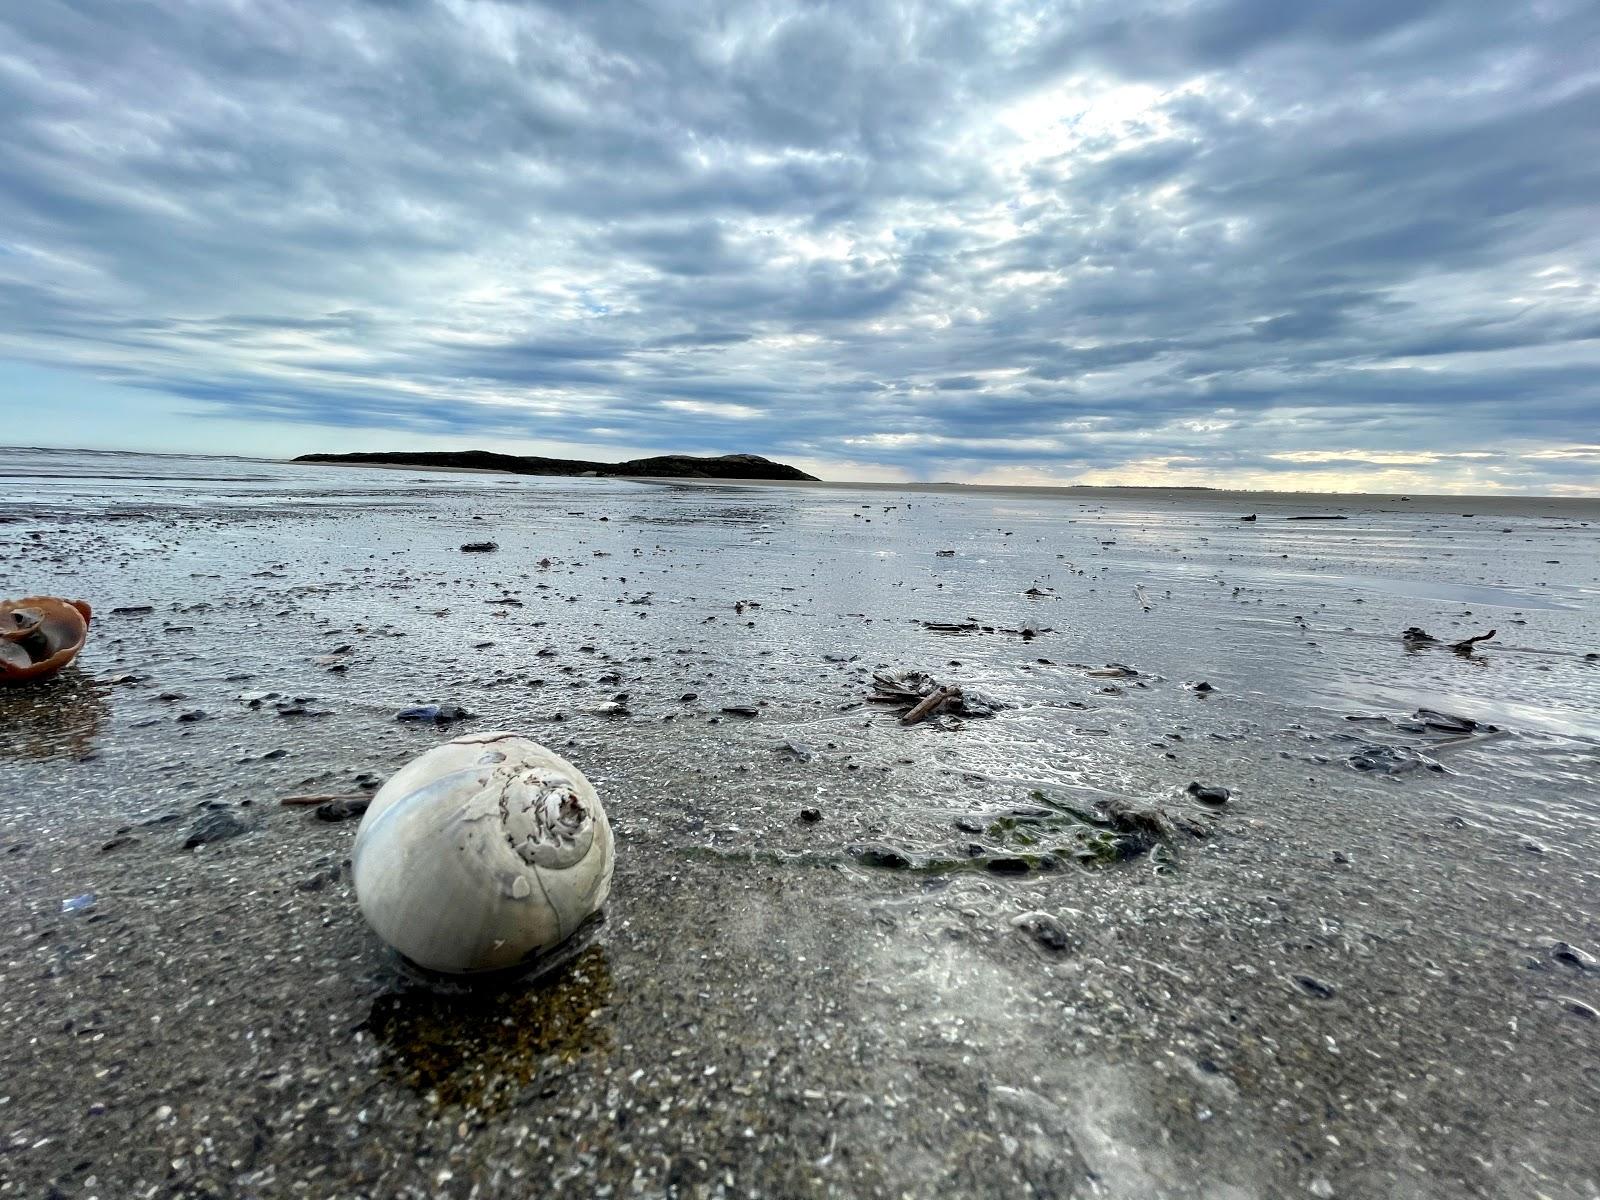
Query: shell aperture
(482, 853)
(39, 635)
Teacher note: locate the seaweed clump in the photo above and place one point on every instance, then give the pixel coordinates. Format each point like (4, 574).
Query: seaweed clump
(1050, 835)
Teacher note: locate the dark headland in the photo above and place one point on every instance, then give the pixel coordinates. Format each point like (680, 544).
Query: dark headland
(662, 466)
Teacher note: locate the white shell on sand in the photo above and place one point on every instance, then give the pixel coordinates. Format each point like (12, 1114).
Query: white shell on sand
(482, 853)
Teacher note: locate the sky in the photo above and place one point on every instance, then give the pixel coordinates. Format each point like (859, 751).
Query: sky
(1352, 245)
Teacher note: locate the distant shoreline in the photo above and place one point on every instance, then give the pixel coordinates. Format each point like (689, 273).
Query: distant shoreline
(1240, 503)
(1577, 508)
(664, 466)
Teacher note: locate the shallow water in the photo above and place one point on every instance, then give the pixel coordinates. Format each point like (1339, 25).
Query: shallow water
(875, 1031)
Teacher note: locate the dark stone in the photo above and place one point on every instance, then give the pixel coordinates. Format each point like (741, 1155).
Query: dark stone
(1046, 930)
(343, 810)
(976, 704)
(438, 714)
(1211, 797)
(299, 708)
(810, 816)
(1314, 987)
(216, 825)
(315, 883)
(741, 710)
(194, 714)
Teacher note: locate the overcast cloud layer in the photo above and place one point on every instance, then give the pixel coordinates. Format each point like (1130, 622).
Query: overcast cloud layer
(1257, 242)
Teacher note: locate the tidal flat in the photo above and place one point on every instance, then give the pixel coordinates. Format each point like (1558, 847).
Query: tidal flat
(843, 956)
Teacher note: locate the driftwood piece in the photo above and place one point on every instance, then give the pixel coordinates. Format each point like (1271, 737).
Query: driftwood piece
(930, 705)
(905, 687)
(1115, 671)
(1445, 722)
(1490, 734)
(1465, 645)
(952, 626)
(308, 800)
(921, 695)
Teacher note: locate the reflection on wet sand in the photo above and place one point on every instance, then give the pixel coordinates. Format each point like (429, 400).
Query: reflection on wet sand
(53, 719)
(481, 1047)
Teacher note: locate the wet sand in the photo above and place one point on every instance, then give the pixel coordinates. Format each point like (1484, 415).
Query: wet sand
(1367, 978)
(1242, 503)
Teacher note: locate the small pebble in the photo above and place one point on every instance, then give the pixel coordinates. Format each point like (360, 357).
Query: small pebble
(1044, 929)
(1314, 987)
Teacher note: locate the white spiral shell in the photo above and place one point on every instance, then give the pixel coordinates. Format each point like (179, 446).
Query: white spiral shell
(481, 853)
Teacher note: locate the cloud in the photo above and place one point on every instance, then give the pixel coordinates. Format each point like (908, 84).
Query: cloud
(1223, 240)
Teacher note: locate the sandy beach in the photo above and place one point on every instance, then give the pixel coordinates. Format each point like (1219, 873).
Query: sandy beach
(1368, 970)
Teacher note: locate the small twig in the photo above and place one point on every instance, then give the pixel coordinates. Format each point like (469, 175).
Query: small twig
(1466, 644)
(321, 799)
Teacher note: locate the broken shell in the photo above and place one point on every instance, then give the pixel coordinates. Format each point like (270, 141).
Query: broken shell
(39, 635)
(482, 854)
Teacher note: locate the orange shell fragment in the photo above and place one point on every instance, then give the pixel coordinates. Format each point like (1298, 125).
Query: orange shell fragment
(39, 635)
